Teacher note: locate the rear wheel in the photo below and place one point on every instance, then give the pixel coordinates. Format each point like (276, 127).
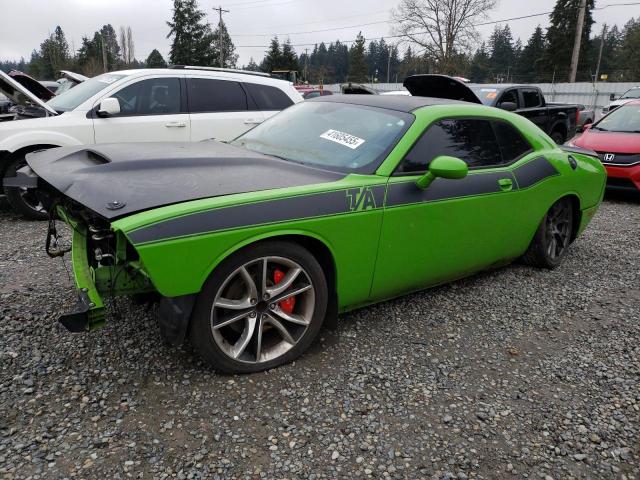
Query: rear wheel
(550, 243)
(558, 137)
(23, 200)
(261, 308)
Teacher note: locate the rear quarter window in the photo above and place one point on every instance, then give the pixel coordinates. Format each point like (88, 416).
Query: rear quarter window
(209, 95)
(267, 97)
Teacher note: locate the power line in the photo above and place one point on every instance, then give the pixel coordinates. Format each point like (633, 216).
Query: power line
(310, 31)
(493, 22)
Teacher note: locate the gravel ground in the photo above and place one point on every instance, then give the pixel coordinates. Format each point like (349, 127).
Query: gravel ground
(516, 373)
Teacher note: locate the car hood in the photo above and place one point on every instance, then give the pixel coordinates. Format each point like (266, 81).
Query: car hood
(439, 86)
(609, 142)
(116, 180)
(21, 95)
(73, 77)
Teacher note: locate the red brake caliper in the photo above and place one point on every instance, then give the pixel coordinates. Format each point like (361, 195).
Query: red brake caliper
(288, 303)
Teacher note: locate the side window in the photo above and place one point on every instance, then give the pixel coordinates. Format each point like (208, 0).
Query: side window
(531, 98)
(471, 140)
(512, 144)
(268, 98)
(209, 95)
(155, 96)
(510, 96)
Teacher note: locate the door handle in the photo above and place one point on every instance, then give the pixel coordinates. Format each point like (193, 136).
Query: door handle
(175, 125)
(252, 121)
(506, 184)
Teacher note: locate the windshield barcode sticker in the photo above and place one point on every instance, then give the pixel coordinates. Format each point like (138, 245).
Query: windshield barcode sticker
(342, 138)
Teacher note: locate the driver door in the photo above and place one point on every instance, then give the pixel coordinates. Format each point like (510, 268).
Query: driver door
(151, 110)
(452, 228)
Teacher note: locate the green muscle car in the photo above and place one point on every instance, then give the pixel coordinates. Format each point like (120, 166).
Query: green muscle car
(333, 204)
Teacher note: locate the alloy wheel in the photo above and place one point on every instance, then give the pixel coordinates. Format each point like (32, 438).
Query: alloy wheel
(558, 231)
(262, 309)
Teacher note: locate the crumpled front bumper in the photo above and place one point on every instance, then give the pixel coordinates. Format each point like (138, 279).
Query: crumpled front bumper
(88, 314)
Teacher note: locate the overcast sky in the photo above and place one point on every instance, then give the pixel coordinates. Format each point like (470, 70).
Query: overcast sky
(251, 23)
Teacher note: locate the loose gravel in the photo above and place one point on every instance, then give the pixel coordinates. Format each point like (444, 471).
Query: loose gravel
(516, 373)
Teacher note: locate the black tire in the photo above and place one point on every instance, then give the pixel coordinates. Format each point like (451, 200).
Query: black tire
(27, 204)
(205, 318)
(558, 137)
(551, 240)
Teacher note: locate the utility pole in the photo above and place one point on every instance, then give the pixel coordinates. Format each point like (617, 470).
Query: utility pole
(306, 65)
(604, 33)
(104, 54)
(578, 41)
(389, 63)
(220, 12)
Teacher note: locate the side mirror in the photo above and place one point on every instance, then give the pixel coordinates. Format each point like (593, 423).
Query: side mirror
(612, 97)
(587, 126)
(508, 106)
(108, 106)
(443, 167)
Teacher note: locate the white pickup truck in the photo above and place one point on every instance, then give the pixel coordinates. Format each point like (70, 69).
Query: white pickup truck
(180, 104)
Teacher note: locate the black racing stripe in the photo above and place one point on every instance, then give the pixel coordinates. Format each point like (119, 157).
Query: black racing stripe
(270, 211)
(534, 171)
(442, 189)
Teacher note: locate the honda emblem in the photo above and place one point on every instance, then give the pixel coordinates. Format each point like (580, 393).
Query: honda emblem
(608, 157)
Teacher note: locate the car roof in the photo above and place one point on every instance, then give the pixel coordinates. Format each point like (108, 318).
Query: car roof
(204, 71)
(399, 103)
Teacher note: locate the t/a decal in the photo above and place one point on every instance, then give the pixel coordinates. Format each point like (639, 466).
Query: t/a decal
(361, 199)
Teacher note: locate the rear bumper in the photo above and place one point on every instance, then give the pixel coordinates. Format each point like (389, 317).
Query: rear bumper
(624, 178)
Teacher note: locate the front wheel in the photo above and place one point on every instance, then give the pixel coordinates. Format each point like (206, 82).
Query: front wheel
(260, 308)
(550, 243)
(23, 200)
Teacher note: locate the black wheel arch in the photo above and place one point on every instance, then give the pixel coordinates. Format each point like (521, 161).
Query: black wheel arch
(6, 157)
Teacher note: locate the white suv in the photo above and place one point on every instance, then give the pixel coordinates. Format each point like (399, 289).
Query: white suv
(182, 104)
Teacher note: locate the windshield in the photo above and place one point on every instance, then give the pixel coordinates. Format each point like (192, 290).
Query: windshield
(334, 136)
(486, 95)
(623, 119)
(72, 98)
(633, 93)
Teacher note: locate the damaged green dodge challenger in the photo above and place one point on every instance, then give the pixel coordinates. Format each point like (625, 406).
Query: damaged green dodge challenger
(334, 204)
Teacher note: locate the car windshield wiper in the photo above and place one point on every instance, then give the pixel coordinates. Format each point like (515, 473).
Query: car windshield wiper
(600, 128)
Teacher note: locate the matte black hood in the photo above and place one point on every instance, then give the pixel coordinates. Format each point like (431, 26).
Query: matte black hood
(115, 180)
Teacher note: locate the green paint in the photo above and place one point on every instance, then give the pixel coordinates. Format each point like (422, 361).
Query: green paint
(379, 251)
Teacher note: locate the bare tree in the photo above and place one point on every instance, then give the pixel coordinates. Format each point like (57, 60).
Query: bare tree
(131, 50)
(123, 45)
(127, 48)
(443, 28)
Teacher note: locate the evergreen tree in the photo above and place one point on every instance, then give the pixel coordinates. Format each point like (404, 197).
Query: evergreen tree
(192, 37)
(629, 54)
(252, 66)
(560, 38)
(358, 60)
(502, 56)
(229, 55)
(610, 51)
(479, 70)
(273, 57)
(530, 65)
(155, 60)
(289, 58)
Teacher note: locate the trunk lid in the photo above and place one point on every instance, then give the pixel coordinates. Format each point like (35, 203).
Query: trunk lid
(439, 86)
